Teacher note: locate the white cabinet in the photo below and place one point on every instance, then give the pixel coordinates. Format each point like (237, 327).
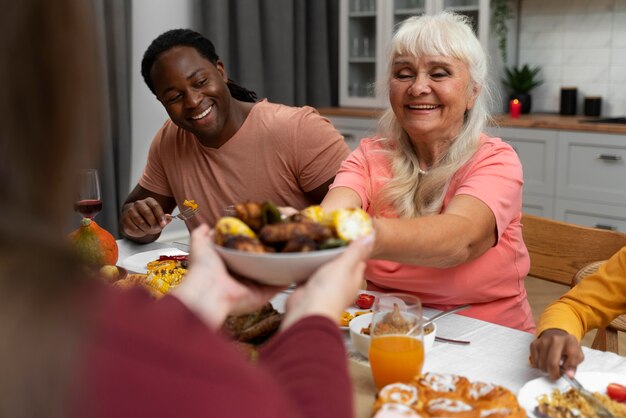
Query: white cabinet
(366, 27)
(576, 177)
(592, 167)
(536, 149)
(597, 215)
(354, 129)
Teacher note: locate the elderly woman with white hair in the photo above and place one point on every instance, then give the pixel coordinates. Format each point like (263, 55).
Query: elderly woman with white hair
(446, 197)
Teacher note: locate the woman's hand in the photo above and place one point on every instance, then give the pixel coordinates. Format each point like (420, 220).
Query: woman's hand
(553, 347)
(332, 287)
(210, 291)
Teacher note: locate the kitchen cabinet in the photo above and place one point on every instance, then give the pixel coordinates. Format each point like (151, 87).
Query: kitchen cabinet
(366, 28)
(576, 177)
(354, 129)
(536, 149)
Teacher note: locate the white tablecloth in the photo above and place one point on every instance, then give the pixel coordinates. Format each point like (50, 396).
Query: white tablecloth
(496, 354)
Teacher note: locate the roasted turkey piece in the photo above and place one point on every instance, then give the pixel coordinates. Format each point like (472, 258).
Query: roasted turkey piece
(277, 233)
(251, 213)
(243, 243)
(300, 244)
(253, 326)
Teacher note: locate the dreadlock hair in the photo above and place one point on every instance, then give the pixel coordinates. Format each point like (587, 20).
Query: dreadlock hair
(188, 37)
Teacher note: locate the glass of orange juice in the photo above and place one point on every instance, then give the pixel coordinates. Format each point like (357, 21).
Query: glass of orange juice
(396, 351)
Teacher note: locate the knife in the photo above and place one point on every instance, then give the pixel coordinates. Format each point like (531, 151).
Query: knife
(599, 409)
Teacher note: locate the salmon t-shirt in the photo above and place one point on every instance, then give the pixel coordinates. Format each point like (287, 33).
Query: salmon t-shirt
(278, 154)
(494, 282)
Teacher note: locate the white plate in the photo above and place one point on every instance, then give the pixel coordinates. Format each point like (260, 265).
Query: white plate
(137, 262)
(593, 381)
(278, 269)
(351, 310)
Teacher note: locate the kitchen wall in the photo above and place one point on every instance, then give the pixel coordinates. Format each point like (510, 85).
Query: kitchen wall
(577, 43)
(149, 19)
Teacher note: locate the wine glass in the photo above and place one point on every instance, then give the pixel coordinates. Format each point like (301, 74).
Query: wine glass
(88, 203)
(397, 341)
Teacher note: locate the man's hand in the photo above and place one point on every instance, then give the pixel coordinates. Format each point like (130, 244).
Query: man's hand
(555, 348)
(143, 218)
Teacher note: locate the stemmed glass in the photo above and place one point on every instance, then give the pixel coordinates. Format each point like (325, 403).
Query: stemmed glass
(88, 202)
(397, 340)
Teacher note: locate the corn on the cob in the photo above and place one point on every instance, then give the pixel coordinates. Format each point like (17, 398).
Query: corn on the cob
(351, 223)
(229, 225)
(314, 213)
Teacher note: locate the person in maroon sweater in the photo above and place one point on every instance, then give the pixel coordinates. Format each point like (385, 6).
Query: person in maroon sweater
(73, 347)
(161, 359)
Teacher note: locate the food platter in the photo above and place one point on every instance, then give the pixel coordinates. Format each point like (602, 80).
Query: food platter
(592, 381)
(137, 262)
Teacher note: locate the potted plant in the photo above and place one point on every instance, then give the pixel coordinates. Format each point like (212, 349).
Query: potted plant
(501, 13)
(520, 81)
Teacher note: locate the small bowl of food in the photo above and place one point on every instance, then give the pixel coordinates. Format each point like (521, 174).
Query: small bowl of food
(359, 334)
(258, 243)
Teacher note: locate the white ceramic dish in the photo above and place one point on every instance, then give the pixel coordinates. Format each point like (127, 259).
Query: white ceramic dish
(362, 342)
(278, 269)
(592, 381)
(137, 262)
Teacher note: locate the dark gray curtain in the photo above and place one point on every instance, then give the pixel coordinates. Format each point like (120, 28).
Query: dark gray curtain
(114, 169)
(284, 50)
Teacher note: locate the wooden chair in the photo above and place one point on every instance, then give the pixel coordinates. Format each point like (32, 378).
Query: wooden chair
(559, 251)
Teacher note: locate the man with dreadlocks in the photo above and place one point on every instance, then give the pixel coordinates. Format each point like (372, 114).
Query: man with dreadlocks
(220, 145)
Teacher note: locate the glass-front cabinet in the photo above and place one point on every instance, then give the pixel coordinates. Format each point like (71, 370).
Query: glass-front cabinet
(366, 27)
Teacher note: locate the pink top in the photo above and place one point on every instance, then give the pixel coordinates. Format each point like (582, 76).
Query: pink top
(279, 153)
(492, 283)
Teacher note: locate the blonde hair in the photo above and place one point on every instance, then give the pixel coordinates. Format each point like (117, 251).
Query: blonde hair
(450, 35)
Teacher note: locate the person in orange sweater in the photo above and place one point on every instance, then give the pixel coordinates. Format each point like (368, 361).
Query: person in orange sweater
(593, 303)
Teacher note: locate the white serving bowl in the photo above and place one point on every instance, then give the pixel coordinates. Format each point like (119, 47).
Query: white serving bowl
(362, 342)
(279, 269)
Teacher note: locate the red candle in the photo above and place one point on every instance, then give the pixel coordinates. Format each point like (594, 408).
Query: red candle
(515, 107)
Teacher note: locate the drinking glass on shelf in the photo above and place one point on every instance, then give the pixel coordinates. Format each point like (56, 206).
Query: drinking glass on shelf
(366, 47)
(88, 203)
(397, 340)
(356, 49)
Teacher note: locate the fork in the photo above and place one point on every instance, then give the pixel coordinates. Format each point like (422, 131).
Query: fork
(185, 214)
(599, 409)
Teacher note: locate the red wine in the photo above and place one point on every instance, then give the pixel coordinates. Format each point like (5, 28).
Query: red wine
(88, 208)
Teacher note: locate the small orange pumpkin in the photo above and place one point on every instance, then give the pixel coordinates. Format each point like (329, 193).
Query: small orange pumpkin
(94, 244)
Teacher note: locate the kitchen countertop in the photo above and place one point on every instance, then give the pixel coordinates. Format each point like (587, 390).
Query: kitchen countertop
(554, 121)
(532, 120)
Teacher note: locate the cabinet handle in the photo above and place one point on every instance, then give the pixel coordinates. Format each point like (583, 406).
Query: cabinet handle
(610, 157)
(605, 226)
(349, 137)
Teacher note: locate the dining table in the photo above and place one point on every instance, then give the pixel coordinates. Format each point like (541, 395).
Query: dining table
(495, 354)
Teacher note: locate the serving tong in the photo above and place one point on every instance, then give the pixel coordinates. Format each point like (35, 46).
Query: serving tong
(598, 408)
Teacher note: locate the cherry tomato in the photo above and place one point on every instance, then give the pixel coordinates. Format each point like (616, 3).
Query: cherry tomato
(616, 392)
(365, 301)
